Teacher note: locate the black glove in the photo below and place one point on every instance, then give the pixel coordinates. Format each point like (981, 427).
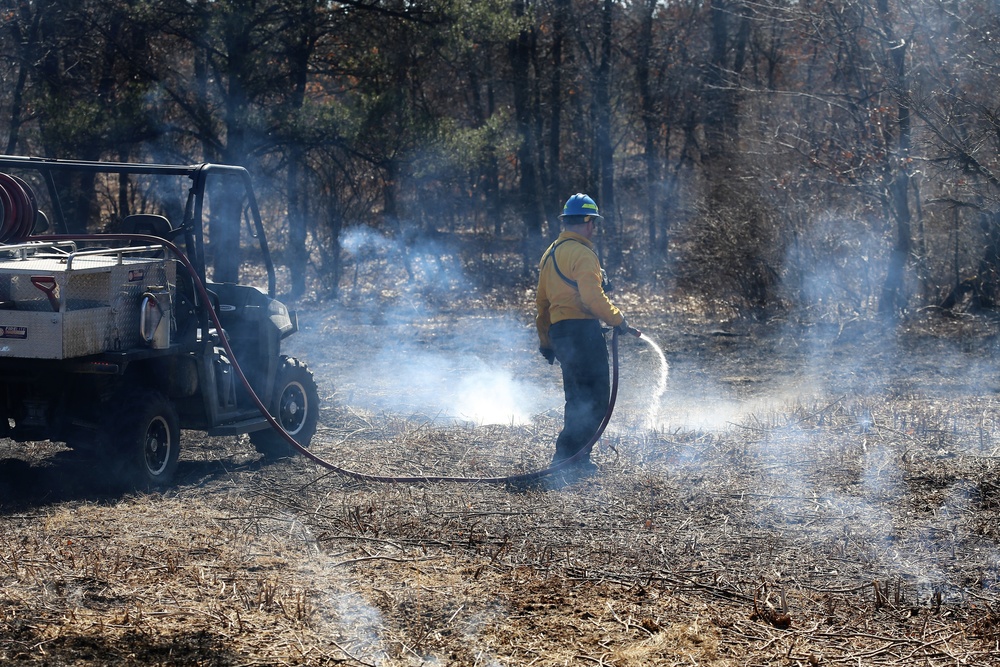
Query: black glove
(622, 328)
(549, 354)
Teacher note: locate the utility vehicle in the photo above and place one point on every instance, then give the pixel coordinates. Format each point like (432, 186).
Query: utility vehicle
(114, 337)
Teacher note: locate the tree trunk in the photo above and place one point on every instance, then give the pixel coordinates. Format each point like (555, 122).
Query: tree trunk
(488, 175)
(298, 216)
(226, 226)
(27, 42)
(717, 103)
(528, 208)
(298, 255)
(554, 194)
(605, 143)
(894, 297)
(391, 215)
(650, 120)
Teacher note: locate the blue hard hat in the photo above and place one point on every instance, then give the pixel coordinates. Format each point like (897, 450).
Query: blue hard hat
(580, 204)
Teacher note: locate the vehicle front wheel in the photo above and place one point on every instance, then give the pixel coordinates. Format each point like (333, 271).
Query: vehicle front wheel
(295, 405)
(142, 434)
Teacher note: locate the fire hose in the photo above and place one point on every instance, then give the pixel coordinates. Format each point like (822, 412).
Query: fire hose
(517, 479)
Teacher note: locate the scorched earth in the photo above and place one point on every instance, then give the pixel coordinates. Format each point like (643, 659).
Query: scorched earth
(800, 495)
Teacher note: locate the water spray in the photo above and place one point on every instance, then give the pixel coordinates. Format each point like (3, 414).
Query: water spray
(653, 414)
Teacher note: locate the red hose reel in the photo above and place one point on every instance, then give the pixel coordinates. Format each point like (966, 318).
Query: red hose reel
(18, 209)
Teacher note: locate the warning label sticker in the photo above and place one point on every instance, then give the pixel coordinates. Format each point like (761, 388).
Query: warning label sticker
(13, 332)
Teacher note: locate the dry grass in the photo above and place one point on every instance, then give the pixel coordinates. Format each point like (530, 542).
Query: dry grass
(842, 517)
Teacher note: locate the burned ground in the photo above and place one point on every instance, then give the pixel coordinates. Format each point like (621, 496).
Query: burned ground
(808, 496)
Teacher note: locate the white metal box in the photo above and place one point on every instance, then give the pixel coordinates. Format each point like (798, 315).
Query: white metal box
(59, 303)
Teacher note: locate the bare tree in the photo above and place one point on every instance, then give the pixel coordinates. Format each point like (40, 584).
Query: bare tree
(23, 30)
(897, 166)
(530, 207)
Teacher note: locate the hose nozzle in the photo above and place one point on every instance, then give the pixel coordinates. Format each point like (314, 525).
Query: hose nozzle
(632, 331)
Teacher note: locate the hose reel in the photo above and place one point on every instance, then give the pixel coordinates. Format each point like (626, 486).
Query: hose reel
(18, 209)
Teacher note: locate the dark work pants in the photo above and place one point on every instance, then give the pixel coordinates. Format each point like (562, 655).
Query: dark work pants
(583, 355)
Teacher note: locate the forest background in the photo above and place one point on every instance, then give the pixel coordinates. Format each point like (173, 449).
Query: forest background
(833, 159)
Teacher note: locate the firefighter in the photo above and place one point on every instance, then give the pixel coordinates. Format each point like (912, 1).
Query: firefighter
(571, 305)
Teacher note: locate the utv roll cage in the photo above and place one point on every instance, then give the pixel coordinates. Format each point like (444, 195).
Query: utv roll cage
(192, 226)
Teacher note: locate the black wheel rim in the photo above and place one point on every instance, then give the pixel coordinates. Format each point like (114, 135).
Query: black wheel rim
(156, 448)
(293, 408)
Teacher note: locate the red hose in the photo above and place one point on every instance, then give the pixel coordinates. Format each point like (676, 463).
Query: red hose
(364, 477)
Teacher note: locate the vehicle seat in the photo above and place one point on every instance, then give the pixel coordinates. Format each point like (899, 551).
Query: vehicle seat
(147, 223)
(41, 224)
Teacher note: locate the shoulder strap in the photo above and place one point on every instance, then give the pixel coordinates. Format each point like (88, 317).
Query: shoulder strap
(555, 264)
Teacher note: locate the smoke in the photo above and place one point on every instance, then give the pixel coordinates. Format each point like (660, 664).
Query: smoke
(702, 402)
(361, 242)
(353, 617)
(467, 376)
(421, 341)
(829, 465)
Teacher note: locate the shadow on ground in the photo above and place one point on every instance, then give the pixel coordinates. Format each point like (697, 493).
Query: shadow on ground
(133, 648)
(68, 475)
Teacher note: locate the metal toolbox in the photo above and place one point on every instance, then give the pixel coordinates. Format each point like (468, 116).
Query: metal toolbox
(57, 302)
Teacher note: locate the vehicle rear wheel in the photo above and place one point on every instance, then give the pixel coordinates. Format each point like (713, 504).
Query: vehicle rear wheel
(295, 406)
(142, 434)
